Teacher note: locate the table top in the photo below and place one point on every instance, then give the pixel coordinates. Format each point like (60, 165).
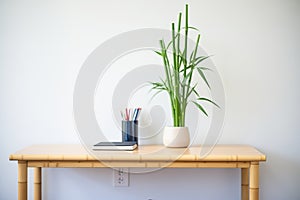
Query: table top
(76, 152)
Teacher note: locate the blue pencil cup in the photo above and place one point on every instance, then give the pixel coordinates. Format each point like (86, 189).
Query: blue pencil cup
(130, 131)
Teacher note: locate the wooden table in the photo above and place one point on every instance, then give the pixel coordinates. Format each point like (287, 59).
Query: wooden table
(61, 156)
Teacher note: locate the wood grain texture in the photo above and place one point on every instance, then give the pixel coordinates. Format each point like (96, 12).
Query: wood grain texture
(245, 183)
(220, 153)
(22, 180)
(37, 183)
(254, 181)
(136, 164)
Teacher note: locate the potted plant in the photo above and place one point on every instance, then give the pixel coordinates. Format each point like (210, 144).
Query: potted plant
(179, 70)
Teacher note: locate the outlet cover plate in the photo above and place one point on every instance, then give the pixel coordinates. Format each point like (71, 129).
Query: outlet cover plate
(121, 177)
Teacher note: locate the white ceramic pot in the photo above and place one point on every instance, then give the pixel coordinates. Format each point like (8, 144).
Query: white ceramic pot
(176, 136)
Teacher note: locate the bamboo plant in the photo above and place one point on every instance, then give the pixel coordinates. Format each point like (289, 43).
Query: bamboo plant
(179, 70)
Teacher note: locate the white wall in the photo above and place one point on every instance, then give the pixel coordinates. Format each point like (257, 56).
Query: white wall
(256, 46)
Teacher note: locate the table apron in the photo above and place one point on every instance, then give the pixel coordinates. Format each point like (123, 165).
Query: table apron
(136, 164)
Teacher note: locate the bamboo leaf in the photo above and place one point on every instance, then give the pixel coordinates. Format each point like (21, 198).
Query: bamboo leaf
(197, 94)
(191, 27)
(166, 65)
(191, 90)
(166, 86)
(200, 108)
(191, 56)
(186, 68)
(171, 42)
(159, 53)
(203, 77)
(187, 77)
(206, 99)
(200, 59)
(205, 68)
(162, 44)
(158, 85)
(196, 47)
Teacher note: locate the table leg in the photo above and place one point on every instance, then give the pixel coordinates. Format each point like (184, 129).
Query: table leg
(37, 183)
(254, 181)
(22, 180)
(245, 183)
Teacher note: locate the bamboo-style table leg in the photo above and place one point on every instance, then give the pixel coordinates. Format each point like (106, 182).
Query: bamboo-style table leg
(22, 180)
(245, 183)
(254, 181)
(37, 182)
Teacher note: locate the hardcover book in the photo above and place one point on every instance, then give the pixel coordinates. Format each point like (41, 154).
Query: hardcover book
(115, 146)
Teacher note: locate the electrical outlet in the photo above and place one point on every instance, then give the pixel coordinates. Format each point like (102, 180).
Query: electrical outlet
(121, 177)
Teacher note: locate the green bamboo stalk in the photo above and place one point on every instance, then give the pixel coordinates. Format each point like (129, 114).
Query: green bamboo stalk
(186, 36)
(169, 78)
(166, 64)
(178, 38)
(176, 78)
(184, 101)
(193, 61)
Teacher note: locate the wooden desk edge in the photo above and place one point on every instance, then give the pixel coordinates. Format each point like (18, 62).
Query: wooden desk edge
(85, 156)
(149, 164)
(25, 157)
